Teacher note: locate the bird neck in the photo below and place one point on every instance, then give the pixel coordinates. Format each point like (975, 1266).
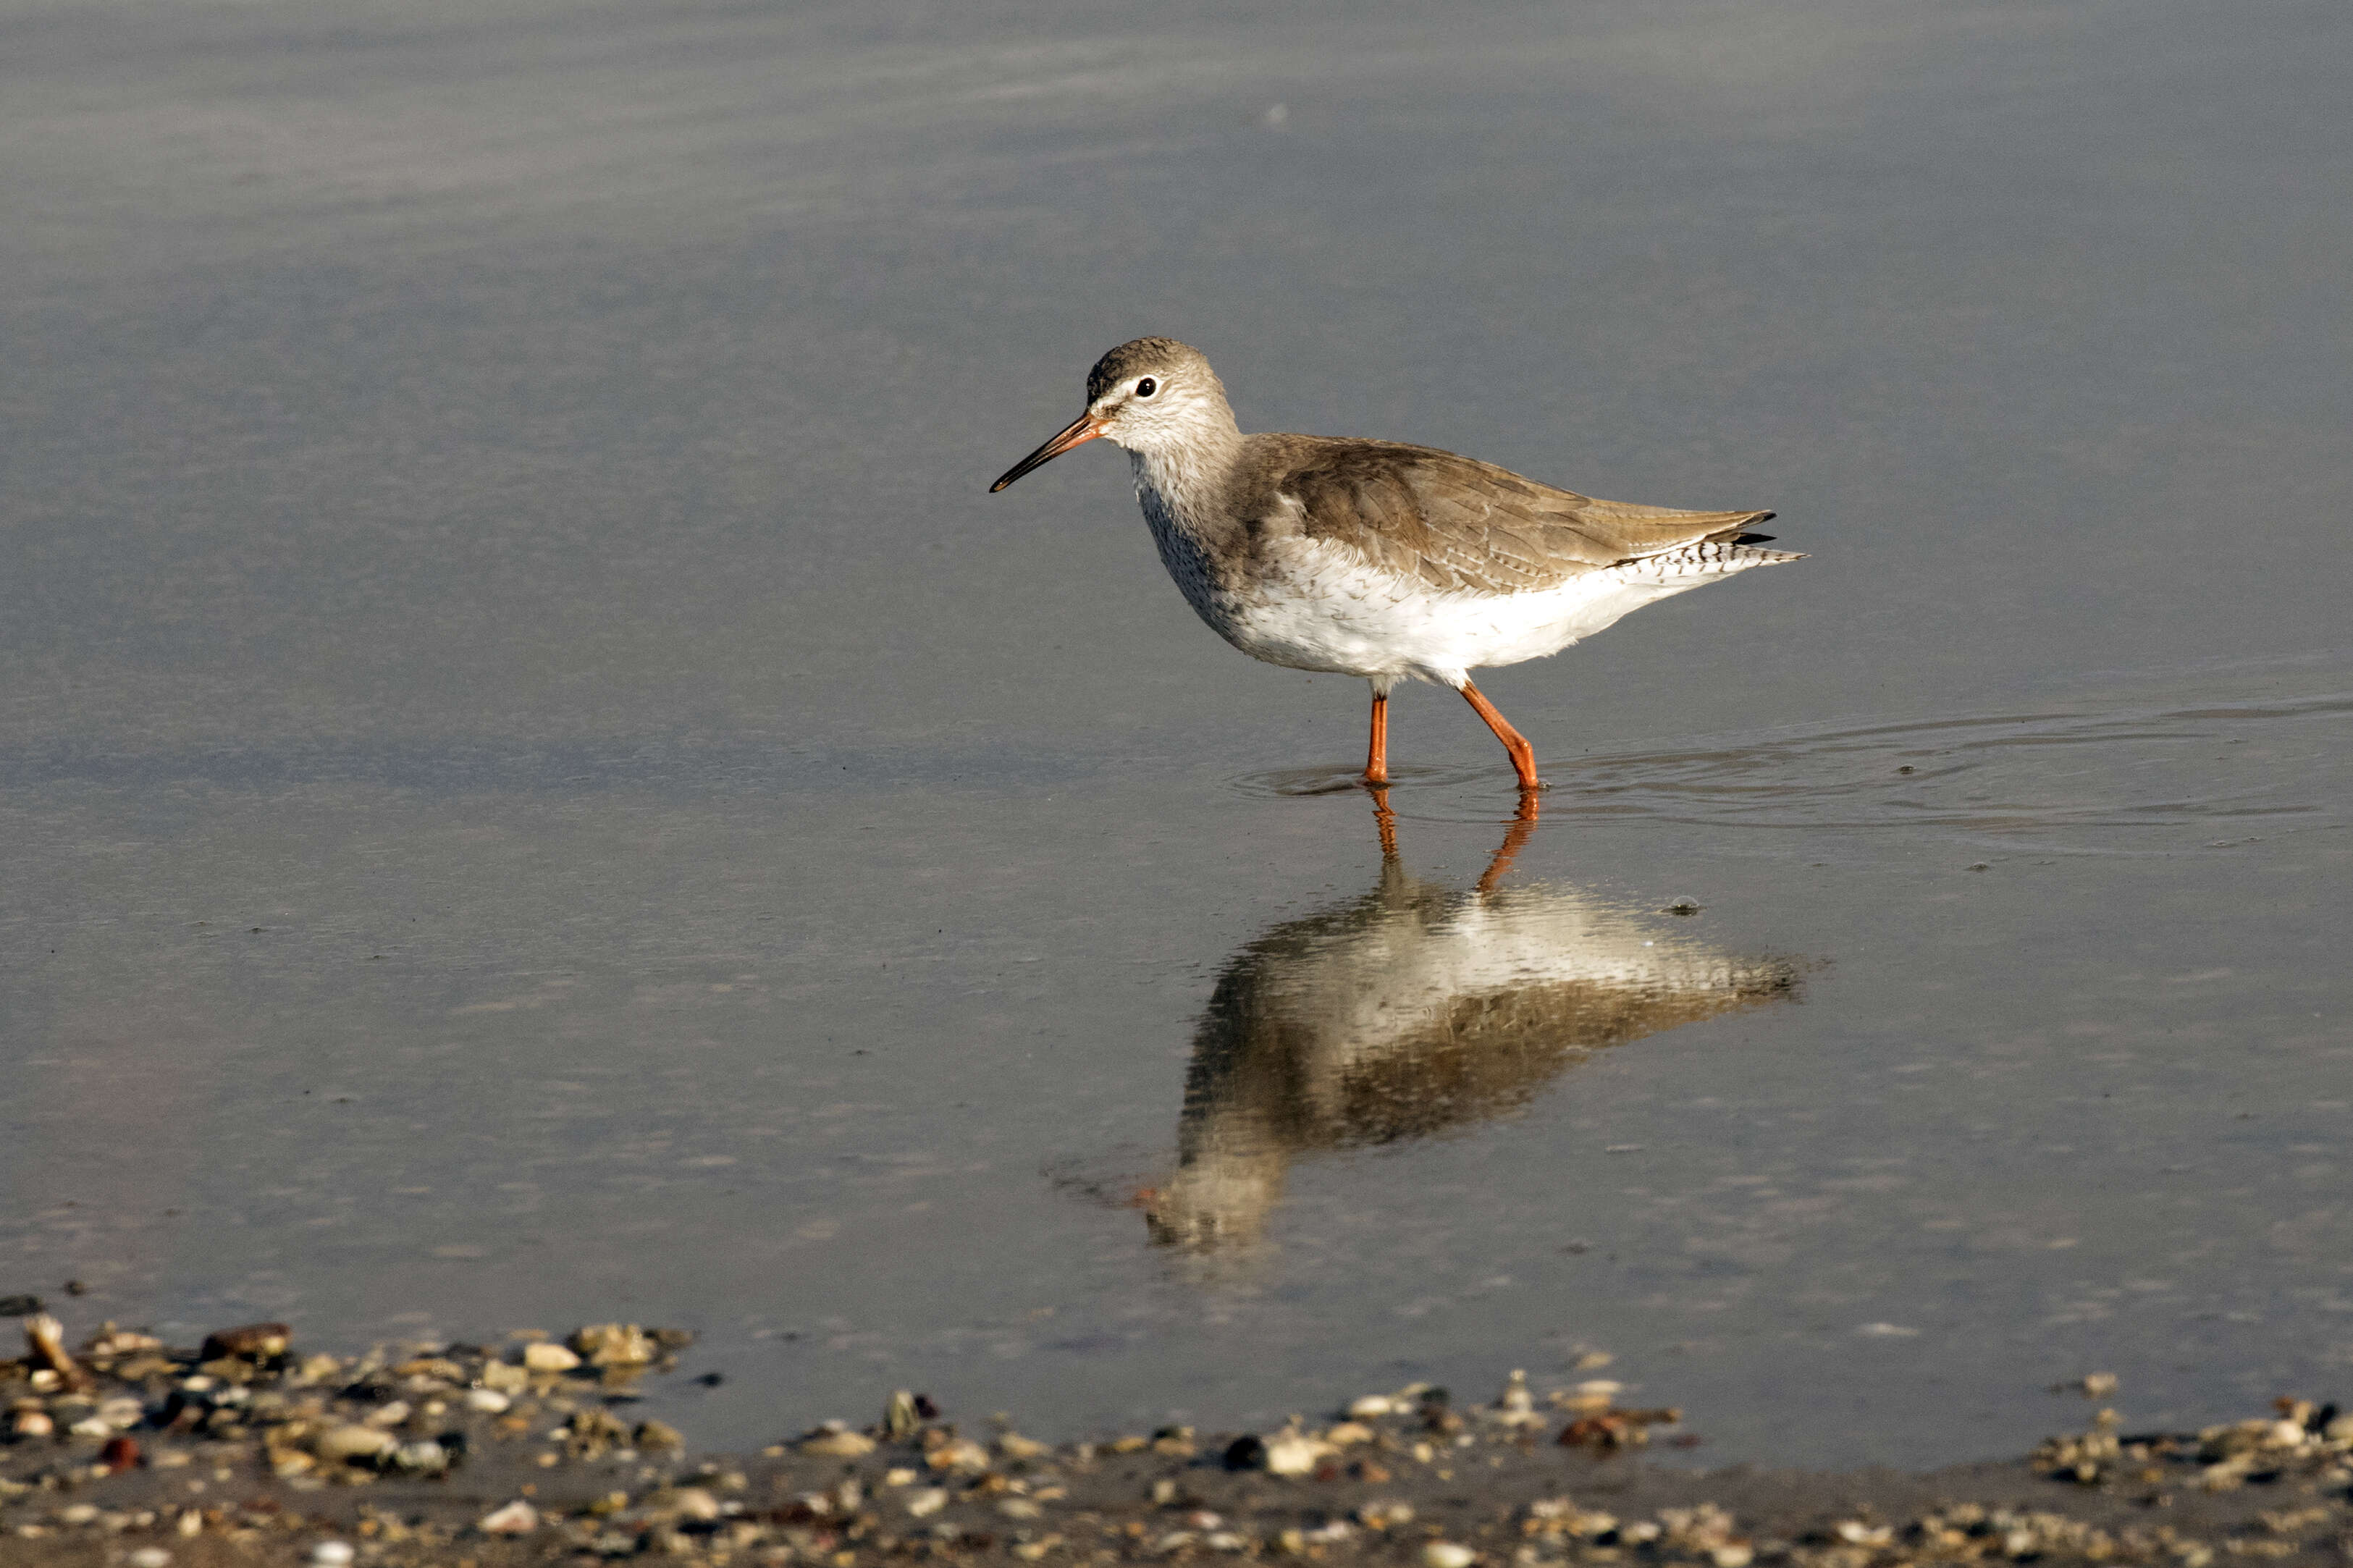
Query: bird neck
(1191, 475)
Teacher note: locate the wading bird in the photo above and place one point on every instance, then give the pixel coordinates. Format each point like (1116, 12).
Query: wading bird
(1378, 559)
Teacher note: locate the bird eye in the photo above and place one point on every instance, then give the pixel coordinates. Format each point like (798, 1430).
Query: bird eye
(1146, 387)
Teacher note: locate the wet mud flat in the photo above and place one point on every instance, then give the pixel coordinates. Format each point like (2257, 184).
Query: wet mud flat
(246, 1450)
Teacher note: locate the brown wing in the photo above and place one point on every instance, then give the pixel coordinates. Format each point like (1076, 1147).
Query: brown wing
(1456, 523)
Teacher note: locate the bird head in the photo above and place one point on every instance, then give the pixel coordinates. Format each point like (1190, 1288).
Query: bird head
(1150, 395)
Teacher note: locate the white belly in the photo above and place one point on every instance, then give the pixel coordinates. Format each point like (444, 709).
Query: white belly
(1325, 609)
(1319, 605)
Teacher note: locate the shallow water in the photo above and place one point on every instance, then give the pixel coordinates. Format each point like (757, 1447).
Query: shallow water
(538, 787)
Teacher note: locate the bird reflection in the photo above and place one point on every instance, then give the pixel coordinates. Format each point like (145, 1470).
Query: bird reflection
(1411, 1010)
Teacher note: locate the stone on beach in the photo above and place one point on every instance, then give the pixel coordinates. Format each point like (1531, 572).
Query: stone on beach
(546, 1355)
(1293, 1454)
(247, 1341)
(517, 1518)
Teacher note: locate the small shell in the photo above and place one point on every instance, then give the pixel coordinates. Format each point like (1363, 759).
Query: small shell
(352, 1441)
(657, 1437)
(1290, 1454)
(961, 1455)
(517, 1518)
(546, 1355)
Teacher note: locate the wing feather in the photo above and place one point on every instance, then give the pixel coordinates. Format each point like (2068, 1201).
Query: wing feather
(1454, 522)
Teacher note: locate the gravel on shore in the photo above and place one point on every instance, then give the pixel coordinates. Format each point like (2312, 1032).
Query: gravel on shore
(124, 1452)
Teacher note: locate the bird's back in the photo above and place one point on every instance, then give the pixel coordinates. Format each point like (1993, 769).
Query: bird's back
(1454, 523)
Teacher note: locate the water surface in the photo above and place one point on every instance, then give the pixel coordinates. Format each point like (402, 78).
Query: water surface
(538, 788)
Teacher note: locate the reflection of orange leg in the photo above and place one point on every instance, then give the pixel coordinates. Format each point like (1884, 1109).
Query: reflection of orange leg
(1385, 820)
(1377, 753)
(1515, 838)
(1523, 756)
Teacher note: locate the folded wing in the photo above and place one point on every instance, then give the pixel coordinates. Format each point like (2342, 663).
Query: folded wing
(1458, 523)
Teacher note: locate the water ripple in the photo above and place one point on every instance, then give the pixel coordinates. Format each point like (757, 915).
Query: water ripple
(2280, 764)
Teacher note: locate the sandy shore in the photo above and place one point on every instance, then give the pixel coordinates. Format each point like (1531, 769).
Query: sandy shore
(122, 1451)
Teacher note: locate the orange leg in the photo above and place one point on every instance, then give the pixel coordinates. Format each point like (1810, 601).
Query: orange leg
(1523, 756)
(1377, 753)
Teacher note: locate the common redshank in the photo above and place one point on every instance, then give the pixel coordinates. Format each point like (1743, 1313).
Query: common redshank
(1378, 559)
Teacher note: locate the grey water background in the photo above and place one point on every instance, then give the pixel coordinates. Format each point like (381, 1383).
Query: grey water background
(535, 787)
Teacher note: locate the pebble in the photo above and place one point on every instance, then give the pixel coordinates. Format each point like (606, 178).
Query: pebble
(247, 1341)
(693, 1503)
(517, 1518)
(149, 1557)
(352, 1441)
(615, 1344)
(1290, 1454)
(840, 1444)
(657, 1437)
(926, 1501)
(45, 1337)
(506, 1377)
(1370, 1406)
(320, 1368)
(489, 1400)
(960, 1455)
(545, 1356)
(1448, 1555)
(332, 1554)
(423, 1457)
(122, 1411)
